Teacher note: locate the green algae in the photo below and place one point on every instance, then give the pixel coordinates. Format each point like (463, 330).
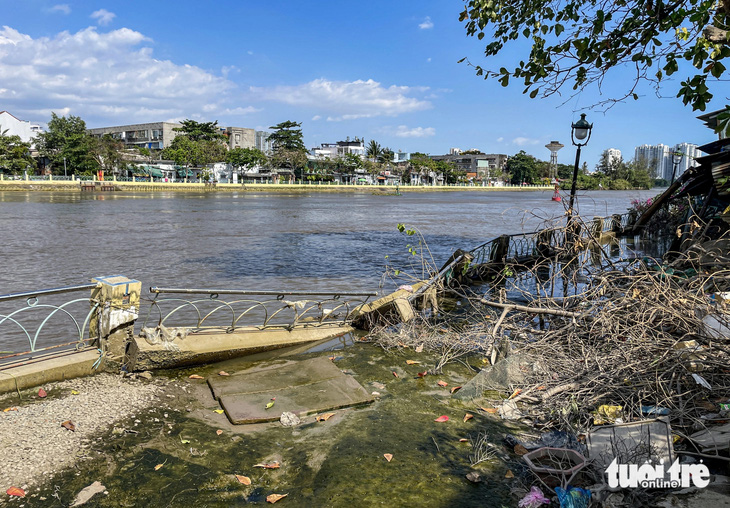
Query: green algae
(338, 462)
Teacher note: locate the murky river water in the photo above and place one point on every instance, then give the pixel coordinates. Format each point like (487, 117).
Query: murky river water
(261, 241)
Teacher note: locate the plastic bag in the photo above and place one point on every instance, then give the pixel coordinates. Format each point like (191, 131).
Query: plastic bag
(573, 497)
(533, 499)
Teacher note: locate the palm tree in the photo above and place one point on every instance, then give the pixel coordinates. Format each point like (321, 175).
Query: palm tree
(385, 156)
(373, 150)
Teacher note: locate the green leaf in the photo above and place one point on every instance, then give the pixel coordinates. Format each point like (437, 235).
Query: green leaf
(534, 93)
(270, 405)
(559, 29)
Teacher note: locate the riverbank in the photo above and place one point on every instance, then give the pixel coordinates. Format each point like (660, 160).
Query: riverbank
(73, 186)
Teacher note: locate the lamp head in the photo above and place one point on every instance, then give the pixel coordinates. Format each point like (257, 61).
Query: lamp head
(581, 130)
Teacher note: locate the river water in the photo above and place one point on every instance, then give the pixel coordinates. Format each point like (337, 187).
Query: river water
(255, 241)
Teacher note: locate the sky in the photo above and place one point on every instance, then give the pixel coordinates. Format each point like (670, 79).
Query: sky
(378, 70)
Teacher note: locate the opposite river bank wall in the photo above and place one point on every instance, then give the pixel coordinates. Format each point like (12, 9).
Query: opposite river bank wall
(76, 185)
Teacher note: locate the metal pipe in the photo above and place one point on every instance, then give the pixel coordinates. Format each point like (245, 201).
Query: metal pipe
(42, 292)
(263, 293)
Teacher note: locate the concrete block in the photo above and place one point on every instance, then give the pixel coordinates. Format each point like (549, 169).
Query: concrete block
(48, 368)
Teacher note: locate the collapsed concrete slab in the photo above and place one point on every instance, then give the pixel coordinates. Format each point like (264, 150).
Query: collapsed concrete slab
(263, 393)
(208, 346)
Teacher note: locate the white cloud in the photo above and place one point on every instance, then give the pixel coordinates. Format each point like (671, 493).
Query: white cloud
(521, 141)
(103, 17)
(316, 117)
(227, 69)
(105, 78)
(500, 139)
(428, 60)
(64, 8)
(427, 24)
(403, 131)
(348, 100)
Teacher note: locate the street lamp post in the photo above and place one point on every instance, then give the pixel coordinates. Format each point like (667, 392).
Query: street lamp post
(580, 130)
(676, 159)
(64, 168)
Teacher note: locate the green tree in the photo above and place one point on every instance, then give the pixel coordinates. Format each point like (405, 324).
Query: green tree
(522, 167)
(296, 160)
(107, 152)
(578, 43)
(386, 156)
(201, 131)
(66, 139)
(351, 162)
(373, 150)
(287, 136)
(189, 153)
(15, 154)
(244, 158)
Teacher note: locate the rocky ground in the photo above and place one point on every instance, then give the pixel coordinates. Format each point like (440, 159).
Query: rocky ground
(33, 440)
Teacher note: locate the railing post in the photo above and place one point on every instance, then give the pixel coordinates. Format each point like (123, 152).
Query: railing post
(500, 249)
(597, 226)
(117, 298)
(616, 225)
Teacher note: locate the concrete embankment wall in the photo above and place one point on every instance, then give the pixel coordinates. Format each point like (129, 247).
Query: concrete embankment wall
(70, 186)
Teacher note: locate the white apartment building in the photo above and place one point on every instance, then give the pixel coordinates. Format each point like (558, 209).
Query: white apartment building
(660, 158)
(339, 149)
(614, 155)
(263, 142)
(12, 126)
(155, 135)
(689, 153)
(657, 157)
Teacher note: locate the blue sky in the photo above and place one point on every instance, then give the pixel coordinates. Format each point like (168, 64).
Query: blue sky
(378, 70)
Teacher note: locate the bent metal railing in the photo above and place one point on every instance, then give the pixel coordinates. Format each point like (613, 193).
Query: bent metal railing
(53, 320)
(521, 246)
(260, 309)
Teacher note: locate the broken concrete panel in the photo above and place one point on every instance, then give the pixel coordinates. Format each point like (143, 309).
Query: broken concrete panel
(631, 443)
(297, 387)
(510, 371)
(213, 345)
(267, 377)
(404, 309)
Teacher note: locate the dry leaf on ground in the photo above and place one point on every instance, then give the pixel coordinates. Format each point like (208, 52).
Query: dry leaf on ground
(219, 432)
(243, 479)
(442, 418)
(412, 362)
(324, 417)
(15, 491)
(442, 383)
(388, 456)
(273, 498)
(158, 466)
(270, 465)
(455, 388)
(490, 410)
(509, 474)
(41, 393)
(468, 416)
(69, 425)
(195, 376)
(395, 373)
(223, 373)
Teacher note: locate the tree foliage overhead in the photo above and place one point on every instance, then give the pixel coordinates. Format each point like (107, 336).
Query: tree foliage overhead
(575, 43)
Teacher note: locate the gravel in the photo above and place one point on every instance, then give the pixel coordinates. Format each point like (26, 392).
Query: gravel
(34, 444)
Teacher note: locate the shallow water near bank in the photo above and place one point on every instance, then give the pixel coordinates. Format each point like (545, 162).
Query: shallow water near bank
(337, 462)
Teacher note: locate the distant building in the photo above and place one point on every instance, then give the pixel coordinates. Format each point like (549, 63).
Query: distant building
(614, 155)
(263, 143)
(402, 156)
(240, 137)
(657, 158)
(12, 126)
(481, 164)
(156, 135)
(339, 149)
(689, 153)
